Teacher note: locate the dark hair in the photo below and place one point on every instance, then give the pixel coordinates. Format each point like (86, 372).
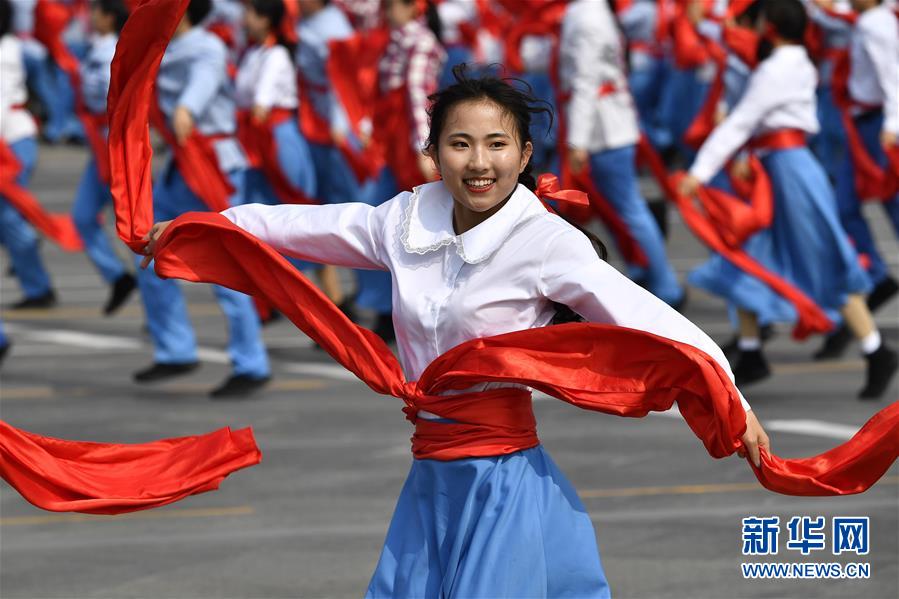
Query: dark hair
(5, 17)
(519, 104)
(116, 8)
(750, 16)
(788, 18)
(198, 10)
(274, 10)
(432, 19)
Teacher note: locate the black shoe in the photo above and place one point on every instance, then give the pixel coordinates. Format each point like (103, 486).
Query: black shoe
(835, 344)
(384, 328)
(121, 289)
(751, 367)
(4, 350)
(47, 300)
(882, 293)
(731, 349)
(239, 385)
(159, 371)
(882, 365)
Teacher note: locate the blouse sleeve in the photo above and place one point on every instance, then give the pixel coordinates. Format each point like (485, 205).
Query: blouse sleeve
(574, 275)
(347, 234)
(728, 137)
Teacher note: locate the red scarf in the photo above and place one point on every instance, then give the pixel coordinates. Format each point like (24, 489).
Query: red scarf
(588, 365)
(58, 227)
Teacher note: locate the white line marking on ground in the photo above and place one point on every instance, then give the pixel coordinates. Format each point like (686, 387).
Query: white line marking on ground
(84, 340)
(815, 428)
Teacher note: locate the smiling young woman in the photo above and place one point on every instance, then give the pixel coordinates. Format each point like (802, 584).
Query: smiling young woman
(473, 255)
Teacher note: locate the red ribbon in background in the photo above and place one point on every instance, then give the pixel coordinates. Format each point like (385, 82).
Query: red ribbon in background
(60, 228)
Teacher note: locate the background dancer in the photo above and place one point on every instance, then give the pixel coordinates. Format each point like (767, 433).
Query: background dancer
(602, 132)
(107, 18)
(194, 96)
(805, 244)
(477, 254)
(18, 131)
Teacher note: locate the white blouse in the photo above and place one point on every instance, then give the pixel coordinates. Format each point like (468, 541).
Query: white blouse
(16, 123)
(266, 77)
(591, 59)
(498, 277)
(874, 73)
(780, 94)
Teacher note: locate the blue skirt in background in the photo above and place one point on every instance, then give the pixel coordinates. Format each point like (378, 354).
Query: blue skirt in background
(505, 526)
(805, 244)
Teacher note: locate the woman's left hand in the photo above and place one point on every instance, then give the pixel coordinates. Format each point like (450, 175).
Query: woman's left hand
(754, 438)
(152, 238)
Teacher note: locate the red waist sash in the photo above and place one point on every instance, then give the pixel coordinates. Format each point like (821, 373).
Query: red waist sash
(781, 139)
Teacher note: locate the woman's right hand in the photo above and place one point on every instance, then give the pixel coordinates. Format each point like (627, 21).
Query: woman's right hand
(152, 238)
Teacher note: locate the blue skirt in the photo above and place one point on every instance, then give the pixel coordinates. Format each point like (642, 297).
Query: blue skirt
(505, 526)
(805, 244)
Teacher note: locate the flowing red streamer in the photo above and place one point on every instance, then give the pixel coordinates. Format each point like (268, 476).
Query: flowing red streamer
(60, 228)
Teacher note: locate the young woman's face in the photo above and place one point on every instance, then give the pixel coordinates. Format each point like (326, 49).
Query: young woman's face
(479, 155)
(256, 26)
(398, 12)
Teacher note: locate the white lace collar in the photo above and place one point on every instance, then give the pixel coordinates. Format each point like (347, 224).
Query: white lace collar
(428, 223)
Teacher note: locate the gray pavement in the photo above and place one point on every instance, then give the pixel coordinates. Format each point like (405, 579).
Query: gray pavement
(309, 520)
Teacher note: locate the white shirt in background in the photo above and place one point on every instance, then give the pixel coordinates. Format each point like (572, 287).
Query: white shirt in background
(874, 72)
(780, 94)
(15, 123)
(266, 77)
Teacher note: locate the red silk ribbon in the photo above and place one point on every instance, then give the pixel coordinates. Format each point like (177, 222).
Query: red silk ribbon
(548, 188)
(106, 478)
(60, 228)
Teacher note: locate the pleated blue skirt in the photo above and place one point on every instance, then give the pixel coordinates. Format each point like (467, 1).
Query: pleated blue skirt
(506, 526)
(805, 244)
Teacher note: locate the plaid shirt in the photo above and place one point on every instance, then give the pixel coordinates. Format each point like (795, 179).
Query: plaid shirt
(364, 14)
(413, 58)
